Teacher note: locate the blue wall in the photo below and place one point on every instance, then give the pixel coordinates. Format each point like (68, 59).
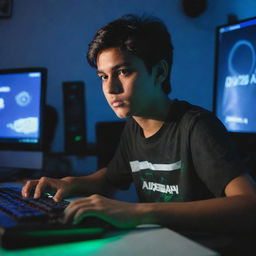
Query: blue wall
(55, 34)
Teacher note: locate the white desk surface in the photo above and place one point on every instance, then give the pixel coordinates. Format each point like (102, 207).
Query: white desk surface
(148, 241)
(154, 241)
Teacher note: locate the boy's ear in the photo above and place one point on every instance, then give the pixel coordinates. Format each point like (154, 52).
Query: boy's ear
(162, 69)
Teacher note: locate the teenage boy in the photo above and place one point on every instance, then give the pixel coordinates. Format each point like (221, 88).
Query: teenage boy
(186, 172)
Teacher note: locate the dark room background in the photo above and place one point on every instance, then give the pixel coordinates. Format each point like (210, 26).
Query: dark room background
(55, 34)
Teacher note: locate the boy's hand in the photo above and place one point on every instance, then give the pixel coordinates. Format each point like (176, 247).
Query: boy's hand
(117, 213)
(61, 186)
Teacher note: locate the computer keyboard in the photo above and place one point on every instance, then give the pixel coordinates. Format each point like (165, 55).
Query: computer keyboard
(27, 209)
(28, 222)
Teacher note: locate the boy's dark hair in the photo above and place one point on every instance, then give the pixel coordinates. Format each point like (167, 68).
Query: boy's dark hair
(146, 37)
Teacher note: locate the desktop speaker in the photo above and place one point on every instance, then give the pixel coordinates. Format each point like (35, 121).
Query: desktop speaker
(74, 118)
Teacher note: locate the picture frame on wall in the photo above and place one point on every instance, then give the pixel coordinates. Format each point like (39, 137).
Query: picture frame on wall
(5, 8)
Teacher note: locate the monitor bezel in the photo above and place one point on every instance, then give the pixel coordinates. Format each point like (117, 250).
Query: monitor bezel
(216, 60)
(39, 146)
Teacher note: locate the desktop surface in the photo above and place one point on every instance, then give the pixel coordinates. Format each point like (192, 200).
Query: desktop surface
(145, 240)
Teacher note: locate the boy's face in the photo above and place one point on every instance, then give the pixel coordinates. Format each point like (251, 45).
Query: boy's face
(126, 82)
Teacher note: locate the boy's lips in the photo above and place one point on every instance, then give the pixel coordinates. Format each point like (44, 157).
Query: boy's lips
(117, 103)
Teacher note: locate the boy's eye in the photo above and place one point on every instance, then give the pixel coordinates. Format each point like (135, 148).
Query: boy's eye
(103, 77)
(123, 72)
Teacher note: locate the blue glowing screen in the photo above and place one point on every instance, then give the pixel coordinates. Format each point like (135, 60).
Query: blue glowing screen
(20, 107)
(235, 98)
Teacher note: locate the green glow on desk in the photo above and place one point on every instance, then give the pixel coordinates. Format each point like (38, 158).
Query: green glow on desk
(52, 233)
(85, 248)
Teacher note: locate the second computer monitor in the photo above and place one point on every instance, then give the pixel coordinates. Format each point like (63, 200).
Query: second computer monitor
(22, 101)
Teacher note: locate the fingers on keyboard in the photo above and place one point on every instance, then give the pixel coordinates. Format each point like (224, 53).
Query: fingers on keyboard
(28, 188)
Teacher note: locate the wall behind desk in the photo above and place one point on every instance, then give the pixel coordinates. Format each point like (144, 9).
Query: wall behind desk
(55, 34)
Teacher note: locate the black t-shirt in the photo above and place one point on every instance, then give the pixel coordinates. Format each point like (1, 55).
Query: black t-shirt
(190, 158)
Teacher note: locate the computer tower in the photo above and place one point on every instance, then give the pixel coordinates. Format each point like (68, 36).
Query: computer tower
(74, 118)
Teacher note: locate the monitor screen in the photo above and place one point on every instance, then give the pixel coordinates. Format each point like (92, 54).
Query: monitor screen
(235, 76)
(22, 98)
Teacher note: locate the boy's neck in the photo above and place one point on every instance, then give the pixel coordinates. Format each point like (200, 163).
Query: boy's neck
(152, 124)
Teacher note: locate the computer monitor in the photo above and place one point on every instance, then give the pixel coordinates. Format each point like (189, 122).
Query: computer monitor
(235, 76)
(22, 100)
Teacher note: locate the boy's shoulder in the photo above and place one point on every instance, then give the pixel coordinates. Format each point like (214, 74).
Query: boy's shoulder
(184, 110)
(197, 119)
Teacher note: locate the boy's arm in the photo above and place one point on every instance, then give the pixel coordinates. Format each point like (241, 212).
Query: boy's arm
(91, 184)
(235, 212)
(95, 183)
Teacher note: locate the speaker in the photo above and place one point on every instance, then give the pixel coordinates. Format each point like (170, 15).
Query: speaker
(74, 118)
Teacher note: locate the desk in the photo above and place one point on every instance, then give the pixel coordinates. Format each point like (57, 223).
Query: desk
(145, 240)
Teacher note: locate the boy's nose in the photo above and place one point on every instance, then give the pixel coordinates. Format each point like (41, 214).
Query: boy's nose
(115, 86)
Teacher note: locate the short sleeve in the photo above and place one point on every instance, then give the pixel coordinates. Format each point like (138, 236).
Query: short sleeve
(215, 158)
